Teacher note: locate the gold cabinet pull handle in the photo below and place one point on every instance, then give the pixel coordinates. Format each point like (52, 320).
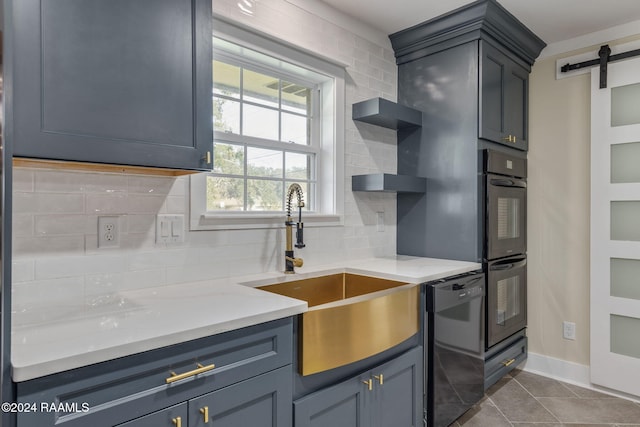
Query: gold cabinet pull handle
(369, 384)
(207, 157)
(177, 377)
(177, 421)
(508, 362)
(380, 378)
(205, 413)
(510, 138)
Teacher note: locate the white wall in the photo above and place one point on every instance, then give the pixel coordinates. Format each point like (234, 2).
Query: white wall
(57, 266)
(558, 209)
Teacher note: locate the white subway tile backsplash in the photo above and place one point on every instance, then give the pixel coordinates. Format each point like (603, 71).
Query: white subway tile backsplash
(48, 225)
(79, 265)
(102, 204)
(24, 203)
(56, 258)
(22, 270)
(145, 203)
(23, 180)
(26, 247)
(22, 225)
(150, 185)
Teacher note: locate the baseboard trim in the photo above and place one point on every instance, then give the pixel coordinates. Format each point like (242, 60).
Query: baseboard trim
(569, 372)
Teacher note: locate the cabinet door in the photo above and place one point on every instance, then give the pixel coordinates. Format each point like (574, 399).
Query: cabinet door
(504, 86)
(175, 416)
(262, 401)
(118, 82)
(347, 404)
(398, 386)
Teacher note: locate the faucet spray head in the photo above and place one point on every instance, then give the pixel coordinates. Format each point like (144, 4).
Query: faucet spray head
(295, 188)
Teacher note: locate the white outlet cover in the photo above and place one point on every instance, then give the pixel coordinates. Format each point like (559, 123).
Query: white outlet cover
(109, 231)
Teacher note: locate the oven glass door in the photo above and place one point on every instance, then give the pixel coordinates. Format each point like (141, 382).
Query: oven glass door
(506, 216)
(506, 298)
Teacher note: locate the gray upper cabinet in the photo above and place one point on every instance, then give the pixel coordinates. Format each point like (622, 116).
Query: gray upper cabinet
(500, 51)
(115, 82)
(504, 88)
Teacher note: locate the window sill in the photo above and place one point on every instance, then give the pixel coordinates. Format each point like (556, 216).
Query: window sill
(260, 221)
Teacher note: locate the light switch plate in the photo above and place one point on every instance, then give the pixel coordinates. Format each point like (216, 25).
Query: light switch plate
(170, 228)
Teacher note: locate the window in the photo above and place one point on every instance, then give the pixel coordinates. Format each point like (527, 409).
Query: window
(278, 119)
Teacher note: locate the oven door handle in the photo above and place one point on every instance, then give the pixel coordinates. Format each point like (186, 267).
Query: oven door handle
(509, 265)
(507, 182)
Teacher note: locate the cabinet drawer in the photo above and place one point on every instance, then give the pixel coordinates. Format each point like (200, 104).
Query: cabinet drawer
(132, 386)
(505, 360)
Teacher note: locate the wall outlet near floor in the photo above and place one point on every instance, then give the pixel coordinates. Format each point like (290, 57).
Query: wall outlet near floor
(109, 231)
(568, 330)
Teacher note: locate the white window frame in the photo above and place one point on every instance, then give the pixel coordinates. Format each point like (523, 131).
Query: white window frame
(329, 200)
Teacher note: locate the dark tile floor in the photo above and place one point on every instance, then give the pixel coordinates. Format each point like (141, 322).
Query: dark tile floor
(523, 399)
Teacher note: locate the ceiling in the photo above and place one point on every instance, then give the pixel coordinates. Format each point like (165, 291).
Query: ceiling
(551, 20)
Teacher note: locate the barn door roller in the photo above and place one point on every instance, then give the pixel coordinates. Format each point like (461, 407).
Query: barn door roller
(604, 57)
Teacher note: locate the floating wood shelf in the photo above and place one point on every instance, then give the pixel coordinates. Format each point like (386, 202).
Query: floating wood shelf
(384, 182)
(385, 113)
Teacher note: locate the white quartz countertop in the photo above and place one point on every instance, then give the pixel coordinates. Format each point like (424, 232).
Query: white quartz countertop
(141, 320)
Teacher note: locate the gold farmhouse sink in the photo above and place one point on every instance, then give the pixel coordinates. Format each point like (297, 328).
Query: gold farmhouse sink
(350, 317)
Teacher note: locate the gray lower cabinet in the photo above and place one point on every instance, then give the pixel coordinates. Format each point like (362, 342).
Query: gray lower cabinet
(389, 395)
(175, 416)
(117, 82)
(238, 375)
(263, 401)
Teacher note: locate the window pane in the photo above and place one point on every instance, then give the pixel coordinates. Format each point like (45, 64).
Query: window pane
(624, 220)
(295, 129)
(228, 158)
(260, 88)
(226, 115)
(225, 194)
(625, 159)
(625, 109)
(260, 122)
(264, 162)
(625, 335)
(226, 79)
(625, 278)
(264, 195)
(297, 166)
(296, 98)
(508, 218)
(305, 197)
(507, 299)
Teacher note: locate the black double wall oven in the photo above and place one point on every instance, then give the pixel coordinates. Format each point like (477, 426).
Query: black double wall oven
(505, 244)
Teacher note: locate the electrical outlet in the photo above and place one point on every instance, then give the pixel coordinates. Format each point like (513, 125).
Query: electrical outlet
(108, 231)
(568, 330)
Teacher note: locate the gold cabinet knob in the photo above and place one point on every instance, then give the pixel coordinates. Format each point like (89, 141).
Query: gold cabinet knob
(369, 384)
(177, 421)
(380, 378)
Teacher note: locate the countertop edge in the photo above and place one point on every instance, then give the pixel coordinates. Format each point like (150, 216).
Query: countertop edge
(409, 269)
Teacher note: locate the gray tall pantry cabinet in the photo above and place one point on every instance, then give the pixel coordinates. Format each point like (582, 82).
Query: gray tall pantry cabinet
(467, 71)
